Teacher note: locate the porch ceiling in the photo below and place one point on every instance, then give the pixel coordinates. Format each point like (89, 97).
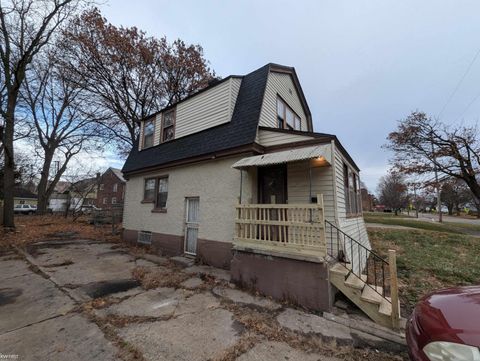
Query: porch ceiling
(322, 152)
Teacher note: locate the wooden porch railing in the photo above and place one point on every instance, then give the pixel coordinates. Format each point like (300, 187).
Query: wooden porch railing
(287, 228)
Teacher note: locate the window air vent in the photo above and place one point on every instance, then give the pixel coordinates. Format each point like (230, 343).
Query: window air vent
(144, 237)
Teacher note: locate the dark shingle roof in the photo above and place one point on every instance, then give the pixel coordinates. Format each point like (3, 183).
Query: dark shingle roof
(19, 192)
(240, 131)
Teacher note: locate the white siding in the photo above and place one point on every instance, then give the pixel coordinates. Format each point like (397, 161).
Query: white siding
(354, 226)
(217, 199)
(208, 109)
(281, 84)
(267, 138)
(298, 185)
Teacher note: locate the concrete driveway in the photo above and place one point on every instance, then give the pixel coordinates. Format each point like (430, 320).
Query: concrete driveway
(79, 300)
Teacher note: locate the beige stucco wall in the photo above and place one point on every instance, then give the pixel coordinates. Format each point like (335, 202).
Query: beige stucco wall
(281, 84)
(215, 182)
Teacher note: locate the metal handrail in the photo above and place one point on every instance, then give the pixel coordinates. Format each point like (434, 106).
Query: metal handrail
(369, 255)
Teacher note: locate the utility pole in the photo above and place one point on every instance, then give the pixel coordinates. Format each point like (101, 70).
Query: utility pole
(415, 198)
(439, 201)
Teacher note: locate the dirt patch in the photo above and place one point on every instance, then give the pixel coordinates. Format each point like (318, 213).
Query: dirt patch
(9, 295)
(36, 228)
(104, 288)
(154, 278)
(67, 262)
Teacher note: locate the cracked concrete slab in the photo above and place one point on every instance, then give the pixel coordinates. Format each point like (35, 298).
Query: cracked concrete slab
(28, 299)
(245, 298)
(274, 351)
(312, 324)
(160, 302)
(87, 263)
(163, 303)
(11, 267)
(69, 337)
(201, 336)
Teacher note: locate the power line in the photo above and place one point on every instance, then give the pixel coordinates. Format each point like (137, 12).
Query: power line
(468, 106)
(459, 83)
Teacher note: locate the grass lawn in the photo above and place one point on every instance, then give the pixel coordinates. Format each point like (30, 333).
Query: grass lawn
(428, 260)
(449, 227)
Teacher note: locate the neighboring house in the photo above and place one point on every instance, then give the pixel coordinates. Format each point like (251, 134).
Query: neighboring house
(24, 196)
(82, 193)
(235, 176)
(59, 198)
(367, 200)
(111, 189)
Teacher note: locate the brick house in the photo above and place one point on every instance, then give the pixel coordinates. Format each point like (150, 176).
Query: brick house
(111, 189)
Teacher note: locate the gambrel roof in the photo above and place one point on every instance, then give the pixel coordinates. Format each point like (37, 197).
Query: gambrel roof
(239, 133)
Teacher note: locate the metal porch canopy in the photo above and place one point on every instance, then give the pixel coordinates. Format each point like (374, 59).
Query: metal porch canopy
(321, 152)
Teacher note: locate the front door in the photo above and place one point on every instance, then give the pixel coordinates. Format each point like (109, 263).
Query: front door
(272, 186)
(272, 181)
(192, 208)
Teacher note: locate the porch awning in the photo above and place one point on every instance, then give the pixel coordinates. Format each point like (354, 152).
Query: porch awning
(322, 152)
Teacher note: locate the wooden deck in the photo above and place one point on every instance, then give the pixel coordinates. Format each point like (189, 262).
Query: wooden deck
(287, 229)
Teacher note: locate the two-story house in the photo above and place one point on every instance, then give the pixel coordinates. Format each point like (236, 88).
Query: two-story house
(111, 189)
(235, 176)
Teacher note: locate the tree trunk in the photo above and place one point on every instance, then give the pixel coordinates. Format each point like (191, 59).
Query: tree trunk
(450, 210)
(9, 168)
(43, 184)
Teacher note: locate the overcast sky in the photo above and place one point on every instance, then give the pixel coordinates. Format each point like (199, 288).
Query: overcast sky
(363, 65)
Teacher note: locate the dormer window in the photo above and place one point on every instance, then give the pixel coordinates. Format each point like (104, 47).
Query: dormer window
(148, 131)
(286, 117)
(168, 126)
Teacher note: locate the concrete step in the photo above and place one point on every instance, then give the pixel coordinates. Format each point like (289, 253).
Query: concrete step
(385, 308)
(369, 295)
(339, 269)
(355, 282)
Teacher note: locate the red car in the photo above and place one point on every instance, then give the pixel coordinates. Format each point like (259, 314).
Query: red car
(445, 326)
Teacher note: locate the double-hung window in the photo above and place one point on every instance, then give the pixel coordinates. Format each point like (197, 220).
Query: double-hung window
(162, 193)
(286, 117)
(168, 126)
(156, 191)
(149, 190)
(353, 203)
(148, 133)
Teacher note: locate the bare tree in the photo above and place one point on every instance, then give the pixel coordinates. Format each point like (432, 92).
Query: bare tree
(130, 75)
(26, 26)
(392, 190)
(64, 121)
(455, 194)
(423, 145)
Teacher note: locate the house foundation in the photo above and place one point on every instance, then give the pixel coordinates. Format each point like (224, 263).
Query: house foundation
(304, 283)
(163, 244)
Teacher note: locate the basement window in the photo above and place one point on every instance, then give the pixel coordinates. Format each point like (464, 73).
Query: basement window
(144, 237)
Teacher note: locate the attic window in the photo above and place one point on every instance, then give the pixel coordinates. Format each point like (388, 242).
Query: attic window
(168, 126)
(286, 117)
(148, 131)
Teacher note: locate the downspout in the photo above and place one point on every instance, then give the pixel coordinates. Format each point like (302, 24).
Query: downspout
(335, 196)
(310, 180)
(310, 188)
(241, 185)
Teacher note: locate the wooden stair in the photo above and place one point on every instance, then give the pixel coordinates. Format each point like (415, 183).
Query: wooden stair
(375, 306)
